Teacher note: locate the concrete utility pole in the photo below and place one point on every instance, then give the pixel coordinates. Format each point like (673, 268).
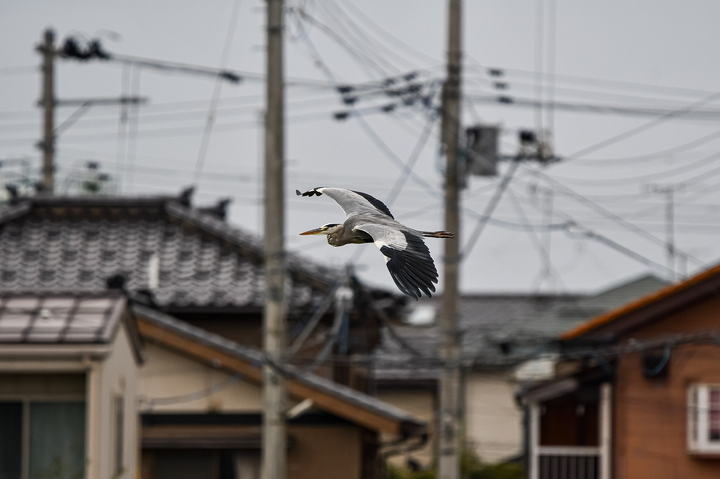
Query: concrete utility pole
(47, 50)
(449, 416)
(672, 253)
(274, 388)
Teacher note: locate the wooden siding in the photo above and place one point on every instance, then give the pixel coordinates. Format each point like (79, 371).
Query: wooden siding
(651, 414)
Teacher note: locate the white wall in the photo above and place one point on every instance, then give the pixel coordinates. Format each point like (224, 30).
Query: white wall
(168, 374)
(493, 419)
(115, 376)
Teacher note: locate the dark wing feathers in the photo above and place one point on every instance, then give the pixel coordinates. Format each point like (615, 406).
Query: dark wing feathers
(412, 268)
(406, 255)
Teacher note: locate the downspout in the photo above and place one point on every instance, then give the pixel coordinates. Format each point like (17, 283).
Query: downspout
(394, 451)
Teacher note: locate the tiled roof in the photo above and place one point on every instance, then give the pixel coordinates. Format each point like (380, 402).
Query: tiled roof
(65, 318)
(498, 330)
(644, 301)
(59, 244)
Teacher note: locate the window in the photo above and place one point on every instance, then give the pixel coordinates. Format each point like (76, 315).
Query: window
(42, 439)
(704, 419)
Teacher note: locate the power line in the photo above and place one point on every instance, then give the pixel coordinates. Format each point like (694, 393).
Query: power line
(212, 108)
(356, 36)
(628, 160)
(389, 36)
(483, 220)
(367, 63)
(646, 177)
(609, 214)
(663, 112)
(641, 128)
(603, 83)
(544, 252)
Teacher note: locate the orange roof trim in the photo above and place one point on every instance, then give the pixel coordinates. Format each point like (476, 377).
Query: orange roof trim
(643, 302)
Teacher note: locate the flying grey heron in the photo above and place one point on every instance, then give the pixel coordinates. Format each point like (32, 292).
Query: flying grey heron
(370, 221)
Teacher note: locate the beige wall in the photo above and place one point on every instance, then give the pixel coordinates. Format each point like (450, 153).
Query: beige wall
(421, 404)
(115, 376)
(168, 374)
(493, 419)
(325, 452)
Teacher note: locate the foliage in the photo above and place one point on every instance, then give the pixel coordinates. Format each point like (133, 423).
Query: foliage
(471, 467)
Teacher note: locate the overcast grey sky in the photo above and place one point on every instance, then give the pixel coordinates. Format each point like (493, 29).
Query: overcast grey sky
(632, 55)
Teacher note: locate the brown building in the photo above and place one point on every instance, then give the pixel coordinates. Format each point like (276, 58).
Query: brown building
(201, 402)
(508, 342)
(644, 401)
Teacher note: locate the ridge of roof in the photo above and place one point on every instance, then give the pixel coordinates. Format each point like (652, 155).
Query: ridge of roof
(223, 230)
(633, 306)
(11, 212)
(256, 359)
(171, 209)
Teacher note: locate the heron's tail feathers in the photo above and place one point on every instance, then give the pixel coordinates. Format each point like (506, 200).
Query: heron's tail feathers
(438, 234)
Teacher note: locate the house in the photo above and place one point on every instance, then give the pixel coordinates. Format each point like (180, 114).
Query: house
(186, 262)
(508, 342)
(196, 287)
(641, 397)
(68, 379)
(201, 403)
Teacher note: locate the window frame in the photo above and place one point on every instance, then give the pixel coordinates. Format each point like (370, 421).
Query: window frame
(698, 419)
(26, 399)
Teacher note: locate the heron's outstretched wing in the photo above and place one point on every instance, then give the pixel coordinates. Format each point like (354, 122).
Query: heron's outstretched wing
(407, 257)
(352, 202)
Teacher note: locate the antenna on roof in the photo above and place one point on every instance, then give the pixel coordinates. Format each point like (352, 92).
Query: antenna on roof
(185, 197)
(153, 272)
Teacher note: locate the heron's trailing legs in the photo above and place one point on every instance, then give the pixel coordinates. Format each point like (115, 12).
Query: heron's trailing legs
(438, 234)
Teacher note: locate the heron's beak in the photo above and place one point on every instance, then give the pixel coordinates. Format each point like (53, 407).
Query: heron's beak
(316, 231)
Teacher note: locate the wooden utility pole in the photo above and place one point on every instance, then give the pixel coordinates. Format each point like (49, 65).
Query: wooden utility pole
(47, 50)
(274, 388)
(449, 415)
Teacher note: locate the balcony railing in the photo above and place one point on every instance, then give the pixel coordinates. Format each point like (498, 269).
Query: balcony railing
(568, 462)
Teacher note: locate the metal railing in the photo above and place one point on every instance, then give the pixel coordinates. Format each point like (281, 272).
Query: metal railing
(568, 462)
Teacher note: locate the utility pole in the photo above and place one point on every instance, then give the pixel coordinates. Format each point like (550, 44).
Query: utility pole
(670, 229)
(47, 50)
(669, 192)
(274, 388)
(449, 415)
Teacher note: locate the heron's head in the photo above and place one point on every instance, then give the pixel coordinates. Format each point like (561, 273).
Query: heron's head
(327, 229)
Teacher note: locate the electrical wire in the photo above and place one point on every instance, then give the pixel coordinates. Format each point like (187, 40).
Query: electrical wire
(217, 88)
(609, 214)
(662, 112)
(631, 160)
(680, 170)
(489, 209)
(389, 36)
(602, 83)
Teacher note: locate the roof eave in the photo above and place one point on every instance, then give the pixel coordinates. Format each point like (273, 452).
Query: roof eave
(212, 349)
(648, 307)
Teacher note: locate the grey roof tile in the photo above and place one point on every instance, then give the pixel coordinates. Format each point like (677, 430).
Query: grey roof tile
(526, 324)
(204, 262)
(59, 318)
